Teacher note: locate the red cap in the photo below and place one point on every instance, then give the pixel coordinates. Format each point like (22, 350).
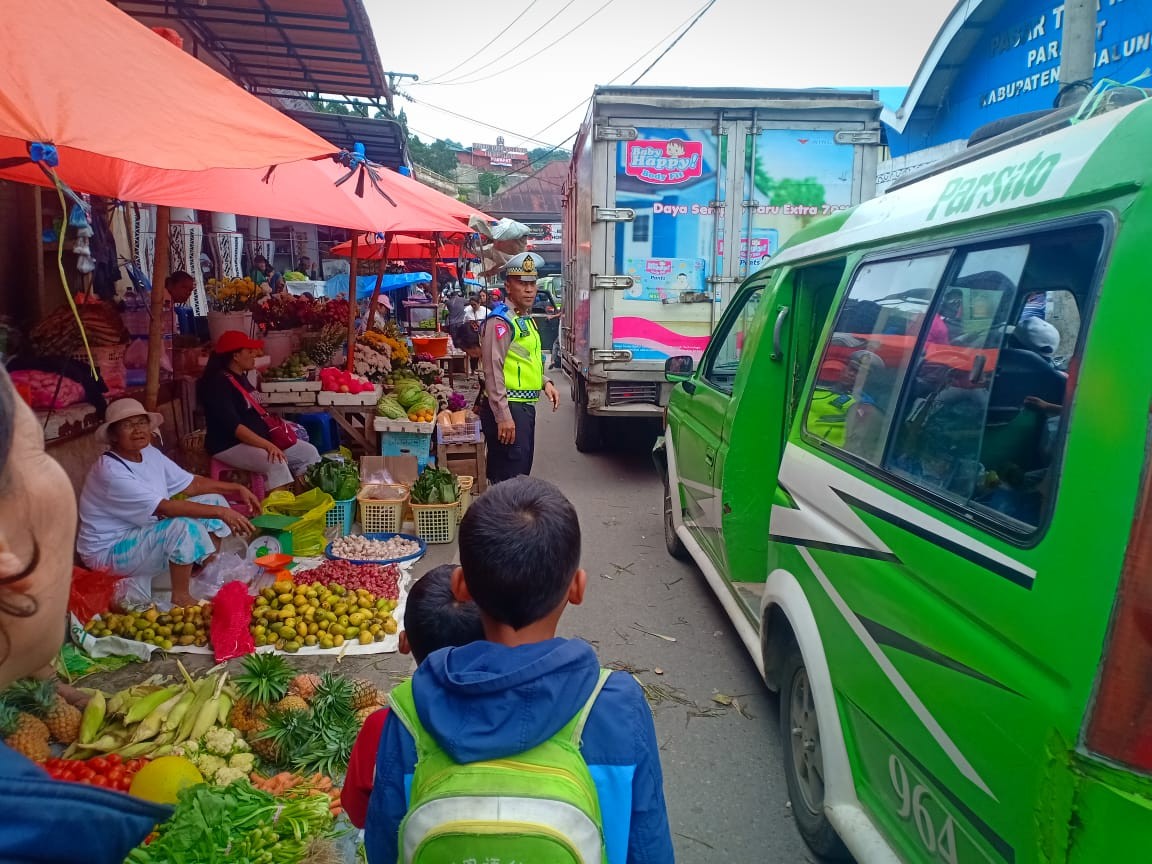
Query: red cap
(235, 340)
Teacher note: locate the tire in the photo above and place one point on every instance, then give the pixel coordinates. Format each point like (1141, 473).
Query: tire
(672, 540)
(803, 760)
(587, 431)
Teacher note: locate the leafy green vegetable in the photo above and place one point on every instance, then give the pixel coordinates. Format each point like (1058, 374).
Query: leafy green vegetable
(339, 479)
(436, 486)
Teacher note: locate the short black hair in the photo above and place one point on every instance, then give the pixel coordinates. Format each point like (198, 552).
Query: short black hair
(434, 619)
(520, 547)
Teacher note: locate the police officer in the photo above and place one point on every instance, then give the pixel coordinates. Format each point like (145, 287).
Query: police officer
(513, 373)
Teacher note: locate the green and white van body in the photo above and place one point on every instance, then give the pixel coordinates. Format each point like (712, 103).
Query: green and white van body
(919, 548)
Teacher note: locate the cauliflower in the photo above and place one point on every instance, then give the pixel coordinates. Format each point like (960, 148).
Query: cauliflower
(209, 764)
(220, 742)
(245, 762)
(242, 746)
(228, 774)
(189, 750)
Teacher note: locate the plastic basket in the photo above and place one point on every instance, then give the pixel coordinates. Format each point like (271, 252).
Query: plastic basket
(436, 523)
(418, 444)
(468, 432)
(382, 516)
(466, 484)
(341, 515)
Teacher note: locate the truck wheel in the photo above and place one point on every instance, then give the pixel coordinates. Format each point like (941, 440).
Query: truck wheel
(587, 425)
(671, 539)
(804, 759)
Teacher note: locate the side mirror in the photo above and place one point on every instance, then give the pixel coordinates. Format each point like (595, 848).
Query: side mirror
(677, 369)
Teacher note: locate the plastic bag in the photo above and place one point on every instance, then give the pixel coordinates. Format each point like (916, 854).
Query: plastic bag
(226, 567)
(92, 593)
(231, 618)
(130, 595)
(309, 509)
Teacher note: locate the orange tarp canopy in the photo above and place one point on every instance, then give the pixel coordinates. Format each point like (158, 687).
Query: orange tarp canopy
(371, 248)
(115, 98)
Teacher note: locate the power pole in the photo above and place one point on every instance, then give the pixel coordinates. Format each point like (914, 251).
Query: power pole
(1077, 50)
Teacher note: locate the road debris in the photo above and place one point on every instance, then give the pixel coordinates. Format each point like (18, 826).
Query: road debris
(636, 626)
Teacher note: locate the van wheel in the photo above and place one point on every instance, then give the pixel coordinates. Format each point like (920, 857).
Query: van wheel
(672, 540)
(804, 759)
(587, 426)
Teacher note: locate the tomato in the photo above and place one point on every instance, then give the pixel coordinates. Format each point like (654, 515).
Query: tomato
(84, 773)
(116, 776)
(135, 765)
(98, 763)
(100, 780)
(113, 759)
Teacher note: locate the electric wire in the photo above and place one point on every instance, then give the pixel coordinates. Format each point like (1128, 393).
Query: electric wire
(515, 45)
(484, 47)
(459, 82)
(687, 29)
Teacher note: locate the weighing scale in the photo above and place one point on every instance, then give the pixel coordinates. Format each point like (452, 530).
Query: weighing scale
(273, 536)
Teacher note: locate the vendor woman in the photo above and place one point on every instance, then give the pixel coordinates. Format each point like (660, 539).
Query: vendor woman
(129, 522)
(238, 430)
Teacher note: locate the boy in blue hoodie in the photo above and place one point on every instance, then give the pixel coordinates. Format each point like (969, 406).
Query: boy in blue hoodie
(520, 563)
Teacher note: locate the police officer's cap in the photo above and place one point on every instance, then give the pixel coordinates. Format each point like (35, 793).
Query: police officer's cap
(524, 266)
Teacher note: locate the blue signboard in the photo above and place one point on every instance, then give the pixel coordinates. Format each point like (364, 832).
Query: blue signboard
(1014, 67)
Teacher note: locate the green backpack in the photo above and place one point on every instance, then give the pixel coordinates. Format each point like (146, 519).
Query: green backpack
(537, 807)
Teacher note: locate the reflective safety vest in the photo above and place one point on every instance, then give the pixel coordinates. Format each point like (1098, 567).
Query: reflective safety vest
(828, 414)
(524, 363)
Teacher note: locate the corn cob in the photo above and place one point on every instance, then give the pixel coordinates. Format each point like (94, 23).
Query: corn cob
(204, 689)
(149, 703)
(150, 726)
(209, 711)
(93, 718)
(174, 718)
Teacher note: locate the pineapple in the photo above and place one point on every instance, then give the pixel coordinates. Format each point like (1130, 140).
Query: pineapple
(24, 733)
(363, 694)
(333, 696)
(278, 736)
(40, 699)
(304, 686)
(292, 703)
(265, 679)
(363, 714)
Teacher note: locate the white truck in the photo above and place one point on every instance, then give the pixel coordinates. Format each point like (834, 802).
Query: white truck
(673, 197)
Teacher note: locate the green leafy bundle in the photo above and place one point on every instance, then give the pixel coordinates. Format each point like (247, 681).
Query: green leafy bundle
(436, 486)
(337, 478)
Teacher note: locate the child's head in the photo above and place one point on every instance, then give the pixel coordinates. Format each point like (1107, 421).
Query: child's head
(434, 619)
(520, 552)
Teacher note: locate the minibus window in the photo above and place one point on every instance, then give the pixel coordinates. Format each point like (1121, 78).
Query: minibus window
(723, 361)
(982, 411)
(867, 356)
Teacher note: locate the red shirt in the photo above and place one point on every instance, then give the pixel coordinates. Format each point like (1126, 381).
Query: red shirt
(362, 768)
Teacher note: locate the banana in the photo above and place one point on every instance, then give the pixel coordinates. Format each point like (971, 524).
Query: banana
(150, 703)
(93, 717)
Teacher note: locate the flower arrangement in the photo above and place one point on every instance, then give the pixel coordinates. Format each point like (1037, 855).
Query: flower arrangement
(283, 312)
(231, 295)
(370, 363)
(428, 373)
(396, 349)
(457, 401)
(330, 312)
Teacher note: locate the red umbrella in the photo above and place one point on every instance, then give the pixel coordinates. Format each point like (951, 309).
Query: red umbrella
(114, 98)
(371, 248)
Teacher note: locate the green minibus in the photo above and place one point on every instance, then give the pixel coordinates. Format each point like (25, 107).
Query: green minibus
(913, 465)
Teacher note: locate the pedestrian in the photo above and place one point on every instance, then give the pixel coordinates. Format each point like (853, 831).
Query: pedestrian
(467, 335)
(516, 698)
(513, 364)
(433, 619)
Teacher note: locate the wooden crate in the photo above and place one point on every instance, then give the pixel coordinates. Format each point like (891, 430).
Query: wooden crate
(470, 460)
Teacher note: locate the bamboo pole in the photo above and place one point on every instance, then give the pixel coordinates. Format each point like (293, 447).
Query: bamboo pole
(436, 278)
(352, 286)
(379, 280)
(160, 272)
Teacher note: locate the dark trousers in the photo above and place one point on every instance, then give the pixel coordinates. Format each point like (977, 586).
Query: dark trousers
(506, 461)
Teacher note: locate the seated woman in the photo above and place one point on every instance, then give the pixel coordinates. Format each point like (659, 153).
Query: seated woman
(238, 427)
(129, 523)
(46, 819)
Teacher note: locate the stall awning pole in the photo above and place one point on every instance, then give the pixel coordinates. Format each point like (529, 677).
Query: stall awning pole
(156, 325)
(379, 282)
(436, 278)
(352, 286)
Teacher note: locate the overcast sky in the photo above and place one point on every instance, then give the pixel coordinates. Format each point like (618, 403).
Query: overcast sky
(749, 43)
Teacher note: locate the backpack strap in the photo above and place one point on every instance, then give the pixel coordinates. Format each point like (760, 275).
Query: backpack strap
(577, 722)
(403, 706)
